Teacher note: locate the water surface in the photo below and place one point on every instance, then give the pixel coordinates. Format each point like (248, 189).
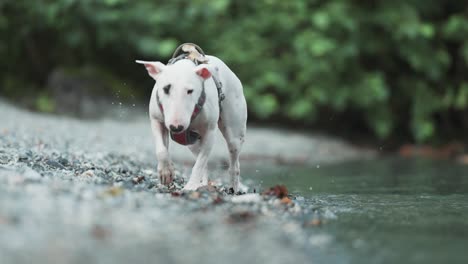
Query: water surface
(382, 211)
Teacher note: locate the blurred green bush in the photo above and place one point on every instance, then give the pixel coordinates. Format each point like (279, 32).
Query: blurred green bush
(397, 68)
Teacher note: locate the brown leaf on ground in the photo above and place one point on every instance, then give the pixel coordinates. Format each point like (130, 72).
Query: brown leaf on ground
(176, 194)
(114, 191)
(240, 217)
(279, 191)
(313, 222)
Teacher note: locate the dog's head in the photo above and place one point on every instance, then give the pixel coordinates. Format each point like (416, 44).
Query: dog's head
(178, 87)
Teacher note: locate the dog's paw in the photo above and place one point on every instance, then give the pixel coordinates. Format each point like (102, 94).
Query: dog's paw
(235, 184)
(166, 174)
(242, 188)
(192, 186)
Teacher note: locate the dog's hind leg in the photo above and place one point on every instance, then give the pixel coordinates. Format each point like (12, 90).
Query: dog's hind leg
(234, 137)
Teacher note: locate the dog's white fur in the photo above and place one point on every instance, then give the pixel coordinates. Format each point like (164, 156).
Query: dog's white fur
(178, 107)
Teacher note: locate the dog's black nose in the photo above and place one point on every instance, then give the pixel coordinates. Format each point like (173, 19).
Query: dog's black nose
(177, 129)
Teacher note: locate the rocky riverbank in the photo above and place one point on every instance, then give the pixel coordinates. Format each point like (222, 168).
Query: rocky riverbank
(74, 191)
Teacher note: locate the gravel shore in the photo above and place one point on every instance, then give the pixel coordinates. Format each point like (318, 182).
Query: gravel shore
(74, 191)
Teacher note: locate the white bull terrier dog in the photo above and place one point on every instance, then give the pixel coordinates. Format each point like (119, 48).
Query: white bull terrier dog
(193, 95)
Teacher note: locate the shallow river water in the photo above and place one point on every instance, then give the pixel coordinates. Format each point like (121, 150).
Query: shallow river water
(382, 211)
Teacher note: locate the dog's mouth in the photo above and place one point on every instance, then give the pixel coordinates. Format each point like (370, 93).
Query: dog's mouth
(186, 137)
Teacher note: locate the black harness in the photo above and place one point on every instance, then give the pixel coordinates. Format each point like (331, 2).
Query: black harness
(189, 137)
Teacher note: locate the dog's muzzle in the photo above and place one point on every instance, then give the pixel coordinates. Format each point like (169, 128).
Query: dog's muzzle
(188, 137)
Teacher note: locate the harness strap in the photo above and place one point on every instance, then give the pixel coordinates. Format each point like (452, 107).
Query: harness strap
(199, 105)
(179, 49)
(219, 87)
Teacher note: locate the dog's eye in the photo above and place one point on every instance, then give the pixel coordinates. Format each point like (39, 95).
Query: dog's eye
(190, 91)
(167, 88)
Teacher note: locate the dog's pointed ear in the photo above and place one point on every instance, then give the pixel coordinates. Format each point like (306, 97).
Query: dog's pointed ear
(154, 68)
(203, 71)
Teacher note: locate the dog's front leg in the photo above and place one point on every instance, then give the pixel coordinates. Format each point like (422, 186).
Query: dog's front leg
(161, 139)
(199, 176)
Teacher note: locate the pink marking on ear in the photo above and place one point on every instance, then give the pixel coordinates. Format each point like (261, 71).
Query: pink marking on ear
(204, 73)
(151, 69)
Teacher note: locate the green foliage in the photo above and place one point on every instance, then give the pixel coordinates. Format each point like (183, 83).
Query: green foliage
(398, 66)
(45, 104)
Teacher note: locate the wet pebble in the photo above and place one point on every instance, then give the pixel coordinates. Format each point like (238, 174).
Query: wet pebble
(138, 179)
(247, 198)
(63, 161)
(88, 173)
(54, 164)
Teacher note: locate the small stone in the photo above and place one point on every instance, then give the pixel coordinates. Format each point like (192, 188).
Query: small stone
(124, 169)
(138, 179)
(64, 161)
(23, 158)
(194, 195)
(148, 172)
(55, 164)
(246, 198)
(300, 198)
(176, 185)
(118, 179)
(286, 200)
(37, 167)
(88, 173)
